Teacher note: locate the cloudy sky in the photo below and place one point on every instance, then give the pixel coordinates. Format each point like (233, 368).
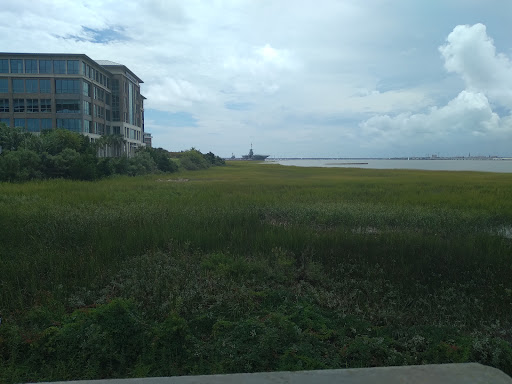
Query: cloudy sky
(298, 78)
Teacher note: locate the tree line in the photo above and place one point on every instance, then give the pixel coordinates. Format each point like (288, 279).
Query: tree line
(59, 153)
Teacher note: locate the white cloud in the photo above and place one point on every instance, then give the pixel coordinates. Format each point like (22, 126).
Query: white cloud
(170, 94)
(470, 53)
(469, 117)
(311, 74)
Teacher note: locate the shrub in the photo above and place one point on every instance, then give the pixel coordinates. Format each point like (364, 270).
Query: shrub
(193, 160)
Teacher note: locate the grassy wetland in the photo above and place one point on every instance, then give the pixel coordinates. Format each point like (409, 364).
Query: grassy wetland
(254, 267)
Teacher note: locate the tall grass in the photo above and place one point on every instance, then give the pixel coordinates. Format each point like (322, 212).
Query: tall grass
(396, 248)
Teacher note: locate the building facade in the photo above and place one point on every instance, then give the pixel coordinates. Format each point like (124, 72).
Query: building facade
(72, 91)
(148, 139)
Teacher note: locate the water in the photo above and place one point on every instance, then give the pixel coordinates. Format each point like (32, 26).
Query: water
(501, 166)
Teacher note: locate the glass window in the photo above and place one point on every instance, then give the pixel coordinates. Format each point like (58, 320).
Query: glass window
(107, 98)
(44, 86)
(67, 86)
(33, 125)
(18, 85)
(16, 66)
(32, 105)
(59, 66)
(19, 105)
(69, 124)
(87, 126)
(83, 68)
(116, 130)
(46, 124)
(30, 66)
(6, 121)
(4, 105)
(99, 93)
(45, 66)
(86, 88)
(4, 85)
(107, 114)
(87, 108)
(99, 128)
(67, 106)
(99, 111)
(31, 86)
(4, 66)
(73, 67)
(19, 123)
(88, 72)
(46, 105)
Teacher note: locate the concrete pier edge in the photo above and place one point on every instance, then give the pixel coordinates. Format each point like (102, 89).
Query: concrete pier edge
(468, 373)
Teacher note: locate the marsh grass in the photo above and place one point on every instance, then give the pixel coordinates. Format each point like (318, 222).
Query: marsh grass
(319, 268)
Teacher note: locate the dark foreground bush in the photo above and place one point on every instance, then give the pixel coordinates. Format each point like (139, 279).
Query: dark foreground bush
(190, 313)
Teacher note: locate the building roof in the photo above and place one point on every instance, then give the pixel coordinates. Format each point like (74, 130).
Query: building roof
(106, 62)
(103, 63)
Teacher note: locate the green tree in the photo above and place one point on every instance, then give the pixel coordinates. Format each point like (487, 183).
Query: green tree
(162, 159)
(193, 160)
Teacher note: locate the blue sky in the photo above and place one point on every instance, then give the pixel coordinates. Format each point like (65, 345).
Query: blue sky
(331, 78)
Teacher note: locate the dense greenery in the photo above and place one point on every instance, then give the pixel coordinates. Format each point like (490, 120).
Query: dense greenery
(64, 154)
(253, 267)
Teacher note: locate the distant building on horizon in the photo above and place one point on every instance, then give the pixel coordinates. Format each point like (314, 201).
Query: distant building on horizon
(40, 91)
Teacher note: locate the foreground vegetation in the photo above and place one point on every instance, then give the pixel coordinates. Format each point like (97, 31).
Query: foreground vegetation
(254, 267)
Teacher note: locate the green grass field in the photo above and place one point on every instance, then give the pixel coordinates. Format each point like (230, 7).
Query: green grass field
(254, 267)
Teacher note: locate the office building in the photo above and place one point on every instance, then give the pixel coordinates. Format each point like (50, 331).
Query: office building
(148, 139)
(41, 91)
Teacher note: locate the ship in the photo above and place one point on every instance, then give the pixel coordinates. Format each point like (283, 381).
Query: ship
(253, 156)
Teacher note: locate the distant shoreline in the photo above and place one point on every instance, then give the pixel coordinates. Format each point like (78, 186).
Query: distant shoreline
(390, 158)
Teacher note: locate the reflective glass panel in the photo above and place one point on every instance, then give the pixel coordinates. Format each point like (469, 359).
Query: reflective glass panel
(4, 85)
(46, 105)
(69, 124)
(67, 106)
(45, 66)
(18, 85)
(30, 66)
(86, 88)
(46, 124)
(59, 66)
(4, 66)
(32, 105)
(4, 105)
(73, 67)
(31, 85)
(19, 105)
(33, 125)
(67, 86)
(16, 66)
(44, 86)
(19, 123)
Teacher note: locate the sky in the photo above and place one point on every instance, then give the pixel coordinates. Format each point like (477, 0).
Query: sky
(297, 78)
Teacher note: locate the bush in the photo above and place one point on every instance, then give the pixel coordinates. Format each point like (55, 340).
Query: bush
(193, 160)
(162, 159)
(101, 342)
